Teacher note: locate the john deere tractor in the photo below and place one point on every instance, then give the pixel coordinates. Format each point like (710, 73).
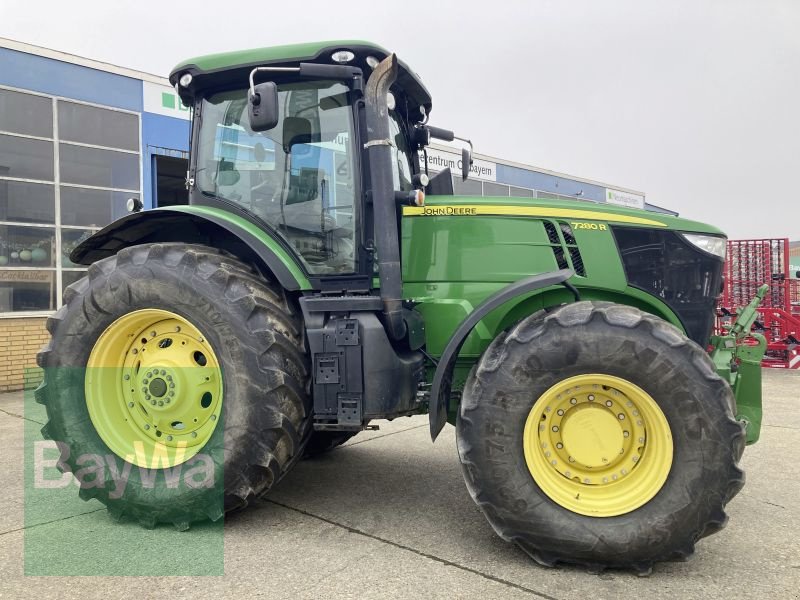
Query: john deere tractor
(321, 278)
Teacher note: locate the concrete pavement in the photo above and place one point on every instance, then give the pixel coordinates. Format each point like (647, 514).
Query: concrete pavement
(387, 515)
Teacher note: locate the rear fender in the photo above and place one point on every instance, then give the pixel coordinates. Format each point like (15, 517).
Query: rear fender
(196, 224)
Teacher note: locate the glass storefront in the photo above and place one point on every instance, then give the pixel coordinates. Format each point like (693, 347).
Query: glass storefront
(66, 169)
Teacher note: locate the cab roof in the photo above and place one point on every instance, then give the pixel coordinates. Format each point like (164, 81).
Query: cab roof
(214, 69)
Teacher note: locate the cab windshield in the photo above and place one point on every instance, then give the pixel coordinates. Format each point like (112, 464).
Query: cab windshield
(297, 177)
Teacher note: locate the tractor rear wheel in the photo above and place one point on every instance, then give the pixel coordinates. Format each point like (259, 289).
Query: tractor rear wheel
(599, 435)
(179, 374)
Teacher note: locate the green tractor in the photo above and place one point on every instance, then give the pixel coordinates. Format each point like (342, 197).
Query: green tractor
(320, 279)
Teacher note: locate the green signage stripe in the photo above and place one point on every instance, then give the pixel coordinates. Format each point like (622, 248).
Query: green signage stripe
(167, 100)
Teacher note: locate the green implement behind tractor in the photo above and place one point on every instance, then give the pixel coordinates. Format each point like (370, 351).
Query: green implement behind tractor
(320, 278)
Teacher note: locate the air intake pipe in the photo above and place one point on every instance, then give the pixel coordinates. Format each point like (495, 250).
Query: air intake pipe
(378, 149)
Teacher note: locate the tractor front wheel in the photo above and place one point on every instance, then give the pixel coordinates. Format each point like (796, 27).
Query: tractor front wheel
(599, 435)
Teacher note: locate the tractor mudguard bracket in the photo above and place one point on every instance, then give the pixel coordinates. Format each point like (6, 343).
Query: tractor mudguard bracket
(443, 377)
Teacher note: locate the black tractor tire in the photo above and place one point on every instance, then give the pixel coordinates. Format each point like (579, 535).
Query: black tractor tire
(256, 333)
(322, 442)
(621, 341)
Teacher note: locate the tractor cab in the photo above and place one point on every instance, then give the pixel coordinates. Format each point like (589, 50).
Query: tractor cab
(285, 143)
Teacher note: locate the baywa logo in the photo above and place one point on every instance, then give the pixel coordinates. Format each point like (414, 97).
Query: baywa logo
(52, 469)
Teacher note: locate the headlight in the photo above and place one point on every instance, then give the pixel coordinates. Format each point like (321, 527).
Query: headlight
(342, 56)
(708, 243)
(134, 205)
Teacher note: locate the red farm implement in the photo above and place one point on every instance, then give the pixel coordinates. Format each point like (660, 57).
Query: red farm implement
(750, 264)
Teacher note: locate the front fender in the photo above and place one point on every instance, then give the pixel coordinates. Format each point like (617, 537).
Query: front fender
(195, 224)
(443, 377)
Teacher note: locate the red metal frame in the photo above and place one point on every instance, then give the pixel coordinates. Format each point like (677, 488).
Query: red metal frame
(750, 264)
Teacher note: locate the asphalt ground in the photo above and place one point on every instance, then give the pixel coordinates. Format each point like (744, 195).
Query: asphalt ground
(385, 516)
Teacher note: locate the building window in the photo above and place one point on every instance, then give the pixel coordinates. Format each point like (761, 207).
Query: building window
(66, 170)
(494, 189)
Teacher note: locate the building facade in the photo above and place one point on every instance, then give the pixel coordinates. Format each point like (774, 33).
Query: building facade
(78, 138)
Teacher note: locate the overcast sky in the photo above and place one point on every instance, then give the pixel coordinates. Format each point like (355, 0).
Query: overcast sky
(695, 103)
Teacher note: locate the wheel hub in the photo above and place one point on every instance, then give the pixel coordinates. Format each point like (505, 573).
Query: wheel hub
(153, 385)
(592, 436)
(598, 445)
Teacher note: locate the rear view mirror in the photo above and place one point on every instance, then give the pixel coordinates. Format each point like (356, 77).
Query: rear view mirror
(466, 163)
(262, 106)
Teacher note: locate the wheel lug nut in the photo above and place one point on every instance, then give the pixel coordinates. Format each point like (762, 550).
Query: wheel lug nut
(169, 438)
(591, 398)
(172, 385)
(621, 417)
(559, 445)
(177, 328)
(171, 394)
(573, 401)
(144, 390)
(194, 434)
(152, 334)
(163, 372)
(126, 377)
(609, 403)
(560, 412)
(146, 426)
(555, 428)
(169, 377)
(161, 403)
(213, 417)
(153, 402)
(130, 404)
(134, 351)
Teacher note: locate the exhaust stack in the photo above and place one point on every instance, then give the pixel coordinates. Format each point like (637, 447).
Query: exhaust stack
(378, 149)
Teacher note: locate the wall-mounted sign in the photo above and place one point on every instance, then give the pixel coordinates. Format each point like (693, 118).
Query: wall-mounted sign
(163, 100)
(480, 169)
(624, 198)
(27, 276)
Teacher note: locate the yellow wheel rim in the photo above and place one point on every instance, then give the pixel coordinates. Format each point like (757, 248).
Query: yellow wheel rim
(153, 388)
(598, 445)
